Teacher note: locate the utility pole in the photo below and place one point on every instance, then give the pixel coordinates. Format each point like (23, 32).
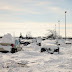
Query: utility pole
(55, 30)
(59, 26)
(65, 24)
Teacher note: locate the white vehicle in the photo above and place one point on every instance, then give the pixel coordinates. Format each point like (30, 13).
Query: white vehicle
(49, 46)
(39, 41)
(9, 44)
(68, 42)
(25, 42)
(10, 47)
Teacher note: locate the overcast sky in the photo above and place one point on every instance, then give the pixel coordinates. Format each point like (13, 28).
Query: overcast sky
(35, 16)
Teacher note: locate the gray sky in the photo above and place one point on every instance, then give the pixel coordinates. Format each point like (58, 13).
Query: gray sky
(35, 16)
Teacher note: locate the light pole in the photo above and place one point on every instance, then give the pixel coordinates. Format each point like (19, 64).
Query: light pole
(59, 26)
(55, 30)
(65, 24)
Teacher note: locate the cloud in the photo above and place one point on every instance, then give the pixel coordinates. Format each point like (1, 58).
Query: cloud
(18, 9)
(43, 3)
(32, 10)
(35, 7)
(30, 7)
(56, 9)
(36, 28)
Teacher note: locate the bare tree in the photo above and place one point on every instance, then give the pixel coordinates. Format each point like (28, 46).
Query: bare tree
(28, 35)
(52, 34)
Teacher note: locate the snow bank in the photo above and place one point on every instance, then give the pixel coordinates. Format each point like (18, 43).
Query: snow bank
(61, 42)
(51, 46)
(49, 41)
(7, 39)
(34, 47)
(33, 61)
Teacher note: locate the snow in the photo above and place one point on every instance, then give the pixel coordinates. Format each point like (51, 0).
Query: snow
(7, 48)
(5, 42)
(28, 40)
(31, 60)
(7, 38)
(49, 45)
(68, 42)
(39, 39)
(49, 42)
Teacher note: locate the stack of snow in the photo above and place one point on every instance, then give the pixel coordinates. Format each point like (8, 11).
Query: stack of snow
(47, 42)
(32, 47)
(69, 50)
(7, 39)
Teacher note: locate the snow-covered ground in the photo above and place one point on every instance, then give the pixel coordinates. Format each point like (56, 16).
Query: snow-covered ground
(30, 59)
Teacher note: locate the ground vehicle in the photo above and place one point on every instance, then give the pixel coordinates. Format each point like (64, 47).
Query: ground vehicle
(25, 42)
(10, 47)
(39, 41)
(49, 46)
(68, 42)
